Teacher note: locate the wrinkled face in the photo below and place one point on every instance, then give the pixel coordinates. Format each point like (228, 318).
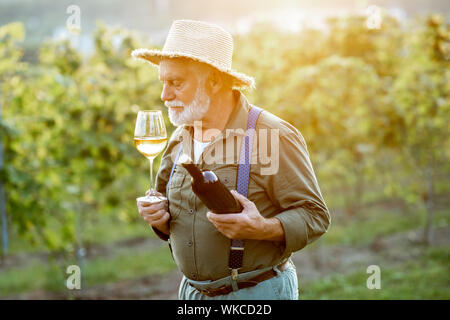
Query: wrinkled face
(184, 91)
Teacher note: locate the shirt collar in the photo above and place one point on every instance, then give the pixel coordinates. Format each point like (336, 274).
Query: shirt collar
(237, 123)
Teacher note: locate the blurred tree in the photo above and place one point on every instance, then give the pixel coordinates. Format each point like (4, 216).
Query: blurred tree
(331, 103)
(23, 207)
(361, 97)
(379, 47)
(421, 99)
(68, 134)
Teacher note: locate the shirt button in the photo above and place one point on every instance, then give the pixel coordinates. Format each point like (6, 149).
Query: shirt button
(191, 211)
(189, 243)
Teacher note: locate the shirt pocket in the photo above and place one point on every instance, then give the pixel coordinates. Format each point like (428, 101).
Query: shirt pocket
(228, 176)
(175, 194)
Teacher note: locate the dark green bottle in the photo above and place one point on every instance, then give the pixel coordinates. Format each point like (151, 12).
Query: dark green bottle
(211, 191)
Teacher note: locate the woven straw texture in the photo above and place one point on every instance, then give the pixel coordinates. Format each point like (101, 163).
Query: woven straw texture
(200, 41)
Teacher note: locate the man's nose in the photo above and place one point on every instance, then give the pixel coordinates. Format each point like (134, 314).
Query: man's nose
(167, 94)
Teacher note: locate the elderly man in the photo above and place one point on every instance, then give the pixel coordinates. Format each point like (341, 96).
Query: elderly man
(240, 255)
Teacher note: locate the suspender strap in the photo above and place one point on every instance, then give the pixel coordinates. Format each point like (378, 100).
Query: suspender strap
(237, 246)
(167, 187)
(171, 173)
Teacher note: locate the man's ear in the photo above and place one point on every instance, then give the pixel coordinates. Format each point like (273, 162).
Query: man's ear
(214, 81)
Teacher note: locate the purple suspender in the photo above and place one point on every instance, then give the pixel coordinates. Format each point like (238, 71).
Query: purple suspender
(246, 150)
(237, 246)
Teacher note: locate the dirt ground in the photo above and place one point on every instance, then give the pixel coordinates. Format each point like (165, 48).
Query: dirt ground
(311, 264)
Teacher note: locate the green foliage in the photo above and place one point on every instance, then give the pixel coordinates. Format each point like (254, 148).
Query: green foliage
(129, 265)
(424, 114)
(426, 278)
(377, 223)
(126, 264)
(372, 104)
(68, 130)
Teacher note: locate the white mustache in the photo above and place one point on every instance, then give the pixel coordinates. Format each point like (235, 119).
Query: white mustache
(174, 103)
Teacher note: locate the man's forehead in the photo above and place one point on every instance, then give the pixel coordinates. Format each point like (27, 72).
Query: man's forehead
(173, 67)
(176, 61)
(179, 67)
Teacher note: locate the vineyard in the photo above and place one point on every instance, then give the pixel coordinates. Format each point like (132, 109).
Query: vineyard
(372, 104)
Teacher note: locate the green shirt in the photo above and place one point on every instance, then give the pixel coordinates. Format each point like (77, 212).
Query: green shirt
(284, 187)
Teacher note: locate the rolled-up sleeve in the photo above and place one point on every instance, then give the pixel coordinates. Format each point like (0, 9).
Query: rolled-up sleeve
(295, 190)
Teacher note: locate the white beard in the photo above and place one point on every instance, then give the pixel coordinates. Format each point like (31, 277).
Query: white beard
(195, 111)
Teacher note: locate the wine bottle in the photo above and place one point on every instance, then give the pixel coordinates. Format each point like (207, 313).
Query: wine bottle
(211, 191)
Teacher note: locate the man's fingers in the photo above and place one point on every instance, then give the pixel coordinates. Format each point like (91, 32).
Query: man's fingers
(152, 206)
(156, 193)
(161, 218)
(223, 218)
(243, 200)
(154, 217)
(165, 217)
(226, 231)
(147, 204)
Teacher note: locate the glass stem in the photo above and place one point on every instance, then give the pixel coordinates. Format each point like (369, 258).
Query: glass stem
(151, 177)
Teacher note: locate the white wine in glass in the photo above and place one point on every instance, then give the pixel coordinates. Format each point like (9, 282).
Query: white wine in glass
(150, 138)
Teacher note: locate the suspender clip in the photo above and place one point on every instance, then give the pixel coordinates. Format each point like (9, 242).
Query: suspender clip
(234, 274)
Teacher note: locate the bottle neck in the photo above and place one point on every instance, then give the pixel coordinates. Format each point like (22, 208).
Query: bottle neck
(194, 171)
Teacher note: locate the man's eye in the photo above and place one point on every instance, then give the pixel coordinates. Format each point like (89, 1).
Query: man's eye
(177, 83)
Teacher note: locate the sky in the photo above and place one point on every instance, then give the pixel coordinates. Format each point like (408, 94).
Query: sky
(47, 18)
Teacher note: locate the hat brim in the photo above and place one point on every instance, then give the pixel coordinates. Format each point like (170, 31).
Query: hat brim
(240, 80)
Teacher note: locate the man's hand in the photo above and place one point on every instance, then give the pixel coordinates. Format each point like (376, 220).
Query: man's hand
(249, 224)
(155, 214)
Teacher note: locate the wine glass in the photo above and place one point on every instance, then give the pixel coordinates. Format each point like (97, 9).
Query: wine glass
(150, 138)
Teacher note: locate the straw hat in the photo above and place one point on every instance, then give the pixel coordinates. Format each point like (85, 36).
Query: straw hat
(200, 41)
